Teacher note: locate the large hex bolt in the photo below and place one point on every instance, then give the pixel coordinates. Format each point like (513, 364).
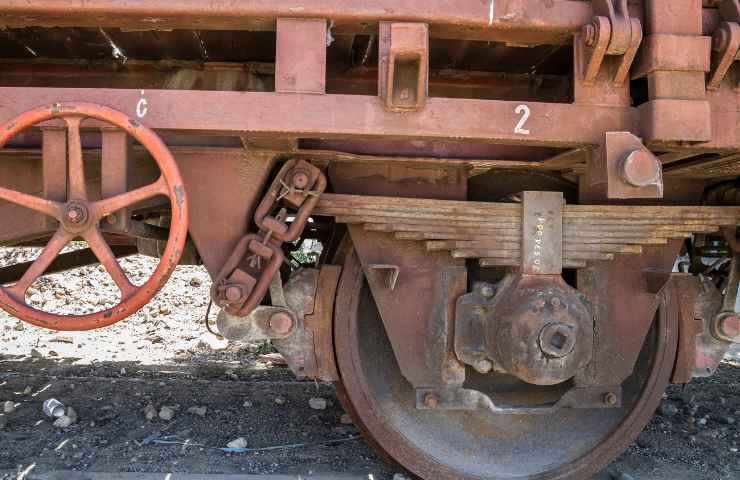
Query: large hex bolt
(75, 214)
(640, 169)
(727, 327)
(299, 179)
(591, 33)
(233, 293)
(557, 340)
(281, 323)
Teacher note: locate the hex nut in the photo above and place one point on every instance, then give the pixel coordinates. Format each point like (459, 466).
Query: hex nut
(281, 323)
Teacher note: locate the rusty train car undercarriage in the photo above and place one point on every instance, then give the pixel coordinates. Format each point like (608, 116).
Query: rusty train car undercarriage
(527, 210)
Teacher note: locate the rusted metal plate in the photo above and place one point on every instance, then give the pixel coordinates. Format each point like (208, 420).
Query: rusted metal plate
(240, 179)
(524, 21)
(300, 63)
(54, 166)
(420, 331)
(114, 174)
(542, 233)
(336, 115)
(321, 323)
(683, 290)
(403, 70)
(621, 325)
(626, 167)
(669, 16)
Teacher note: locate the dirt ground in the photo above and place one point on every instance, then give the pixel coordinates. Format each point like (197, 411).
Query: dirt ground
(164, 357)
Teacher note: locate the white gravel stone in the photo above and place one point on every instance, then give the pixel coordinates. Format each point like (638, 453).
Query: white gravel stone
(200, 411)
(150, 412)
(67, 420)
(71, 413)
(237, 443)
(317, 403)
(63, 422)
(280, 400)
(8, 407)
(166, 413)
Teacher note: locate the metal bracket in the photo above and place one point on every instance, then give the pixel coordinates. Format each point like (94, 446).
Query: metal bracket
(467, 399)
(471, 311)
(725, 51)
(542, 233)
(391, 274)
(628, 168)
(612, 32)
(404, 66)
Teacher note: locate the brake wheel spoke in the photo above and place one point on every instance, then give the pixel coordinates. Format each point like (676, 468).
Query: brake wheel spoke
(75, 166)
(39, 266)
(118, 202)
(42, 205)
(108, 259)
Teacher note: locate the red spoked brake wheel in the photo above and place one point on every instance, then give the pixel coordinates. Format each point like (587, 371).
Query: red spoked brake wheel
(79, 217)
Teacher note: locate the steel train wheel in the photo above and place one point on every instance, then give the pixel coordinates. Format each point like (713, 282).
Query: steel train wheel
(570, 444)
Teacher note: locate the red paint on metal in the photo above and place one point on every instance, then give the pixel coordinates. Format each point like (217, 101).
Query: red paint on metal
(90, 213)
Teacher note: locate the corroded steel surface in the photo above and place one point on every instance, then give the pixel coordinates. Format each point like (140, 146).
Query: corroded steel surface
(374, 387)
(629, 108)
(530, 21)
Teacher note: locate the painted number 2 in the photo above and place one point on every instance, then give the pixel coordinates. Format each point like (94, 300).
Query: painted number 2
(524, 111)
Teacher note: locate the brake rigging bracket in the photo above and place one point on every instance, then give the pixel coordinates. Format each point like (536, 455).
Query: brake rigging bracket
(725, 43)
(245, 278)
(612, 32)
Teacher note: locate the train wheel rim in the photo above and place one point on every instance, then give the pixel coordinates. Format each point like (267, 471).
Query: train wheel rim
(570, 444)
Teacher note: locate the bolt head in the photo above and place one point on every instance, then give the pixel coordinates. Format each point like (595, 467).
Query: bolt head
(610, 399)
(431, 400)
(483, 366)
(281, 323)
(729, 327)
(640, 169)
(487, 291)
(299, 179)
(589, 32)
(75, 215)
(233, 293)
